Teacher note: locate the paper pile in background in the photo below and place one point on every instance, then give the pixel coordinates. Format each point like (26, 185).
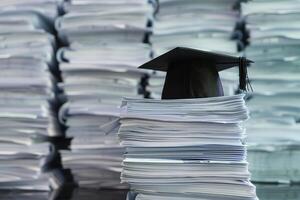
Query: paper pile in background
(186, 149)
(99, 67)
(27, 97)
(104, 22)
(274, 127)
(206, 25)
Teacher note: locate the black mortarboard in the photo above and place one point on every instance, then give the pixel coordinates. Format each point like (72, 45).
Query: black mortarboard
(193, 73)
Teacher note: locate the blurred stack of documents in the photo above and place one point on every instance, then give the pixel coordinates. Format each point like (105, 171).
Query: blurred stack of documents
(207, 25)
(27, 96)
(274, 127)
(104, 22)
(99, 67)
(186, 149)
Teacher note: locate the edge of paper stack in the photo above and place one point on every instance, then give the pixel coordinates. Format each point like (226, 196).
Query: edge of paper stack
(186, 149)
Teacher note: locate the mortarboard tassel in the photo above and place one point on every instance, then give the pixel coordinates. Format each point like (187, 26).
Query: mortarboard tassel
(244, 82)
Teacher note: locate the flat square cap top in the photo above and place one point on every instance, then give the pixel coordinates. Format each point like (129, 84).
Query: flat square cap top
(183, 54)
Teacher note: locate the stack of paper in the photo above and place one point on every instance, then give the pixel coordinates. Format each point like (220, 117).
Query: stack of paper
(186, 149)
(99, 67)
(207, 25)
(274, 126)
(27, 96)
(99, 21)
(274, 137)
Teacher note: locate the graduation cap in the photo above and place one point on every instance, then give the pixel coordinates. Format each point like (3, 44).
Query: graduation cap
(193, 73)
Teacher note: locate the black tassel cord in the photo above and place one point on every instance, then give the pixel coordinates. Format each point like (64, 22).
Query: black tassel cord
(244, 82)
